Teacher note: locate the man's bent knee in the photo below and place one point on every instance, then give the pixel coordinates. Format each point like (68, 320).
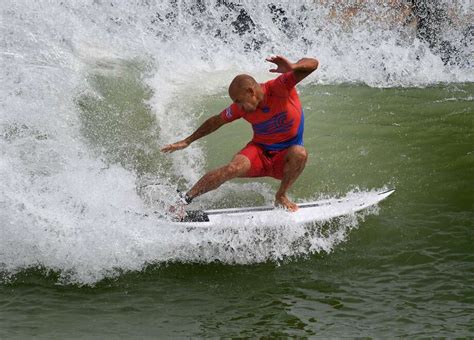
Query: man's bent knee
(298, 153)
(239, 166)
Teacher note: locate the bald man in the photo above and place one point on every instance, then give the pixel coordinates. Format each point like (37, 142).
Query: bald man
(275, 113)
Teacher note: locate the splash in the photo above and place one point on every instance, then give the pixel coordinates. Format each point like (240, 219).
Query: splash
(92, 89)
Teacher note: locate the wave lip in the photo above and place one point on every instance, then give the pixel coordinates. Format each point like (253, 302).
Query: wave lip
(377, 44)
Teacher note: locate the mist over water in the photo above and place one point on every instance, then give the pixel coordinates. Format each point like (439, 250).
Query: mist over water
(92, 89)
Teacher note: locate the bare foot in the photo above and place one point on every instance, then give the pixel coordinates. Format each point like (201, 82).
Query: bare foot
(284, 202)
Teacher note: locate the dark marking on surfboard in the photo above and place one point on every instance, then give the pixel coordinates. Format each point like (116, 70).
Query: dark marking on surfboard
(256, 209)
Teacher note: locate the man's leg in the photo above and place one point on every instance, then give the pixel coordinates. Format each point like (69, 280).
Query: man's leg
(295, 161)
(237, 167)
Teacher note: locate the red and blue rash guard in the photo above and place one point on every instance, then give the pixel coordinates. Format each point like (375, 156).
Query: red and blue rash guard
(278, 122)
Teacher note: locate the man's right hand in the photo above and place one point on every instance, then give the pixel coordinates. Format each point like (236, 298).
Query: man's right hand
(175, 146)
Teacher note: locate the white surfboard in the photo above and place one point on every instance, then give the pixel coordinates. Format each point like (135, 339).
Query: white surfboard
(321, 210)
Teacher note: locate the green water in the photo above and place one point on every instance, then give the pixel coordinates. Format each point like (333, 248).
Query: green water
(408, 271)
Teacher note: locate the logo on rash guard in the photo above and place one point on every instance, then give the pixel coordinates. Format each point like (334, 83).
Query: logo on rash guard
(276, 124)
(228, 112)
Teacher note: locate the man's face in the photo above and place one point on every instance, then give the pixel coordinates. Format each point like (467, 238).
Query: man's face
(246, 99)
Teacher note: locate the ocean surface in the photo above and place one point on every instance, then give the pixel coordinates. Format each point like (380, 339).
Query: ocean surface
(91, 90)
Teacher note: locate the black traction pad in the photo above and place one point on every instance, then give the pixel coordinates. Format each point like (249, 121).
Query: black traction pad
(195, 216)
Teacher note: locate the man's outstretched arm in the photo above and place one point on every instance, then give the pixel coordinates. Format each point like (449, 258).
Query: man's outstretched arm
(302, 68)
(209, 126)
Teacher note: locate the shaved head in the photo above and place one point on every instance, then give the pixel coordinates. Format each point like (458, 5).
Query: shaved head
(241, 83)
(246, 92)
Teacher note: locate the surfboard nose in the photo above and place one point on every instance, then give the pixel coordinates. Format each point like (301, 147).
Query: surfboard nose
(387, 193)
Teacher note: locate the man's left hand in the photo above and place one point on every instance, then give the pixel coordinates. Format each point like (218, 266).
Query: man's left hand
(283, 64)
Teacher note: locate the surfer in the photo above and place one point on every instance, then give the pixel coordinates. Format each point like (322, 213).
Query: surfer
(275, 113)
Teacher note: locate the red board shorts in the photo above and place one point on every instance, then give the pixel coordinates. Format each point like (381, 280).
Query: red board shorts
(264, 163)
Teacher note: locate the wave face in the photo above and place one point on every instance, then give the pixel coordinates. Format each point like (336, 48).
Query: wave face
(91, 89)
